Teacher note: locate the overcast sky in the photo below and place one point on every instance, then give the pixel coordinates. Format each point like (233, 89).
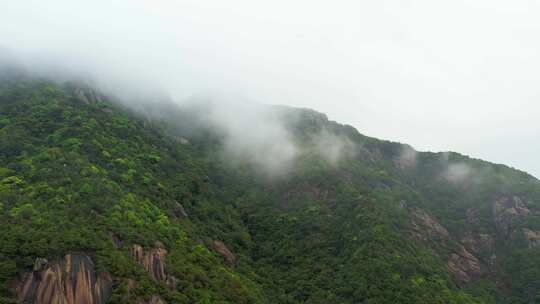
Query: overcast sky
(439, 75)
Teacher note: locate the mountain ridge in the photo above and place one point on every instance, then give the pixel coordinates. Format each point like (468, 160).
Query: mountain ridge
(156, 204)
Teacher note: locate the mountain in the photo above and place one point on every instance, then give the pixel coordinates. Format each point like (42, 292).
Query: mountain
(100, 203)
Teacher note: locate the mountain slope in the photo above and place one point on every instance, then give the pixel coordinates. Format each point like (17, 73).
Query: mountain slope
(77, 173)
(148, 208)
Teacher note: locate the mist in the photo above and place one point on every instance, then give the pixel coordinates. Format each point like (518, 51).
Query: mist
(266, 137)
(400, 70)
(406, 159)
(457, 172)
(333, 147)
(256, 135)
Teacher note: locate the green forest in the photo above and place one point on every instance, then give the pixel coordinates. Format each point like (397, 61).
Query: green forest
(83, 174)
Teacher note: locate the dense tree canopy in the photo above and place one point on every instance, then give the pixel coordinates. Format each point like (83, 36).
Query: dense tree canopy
(77, 169)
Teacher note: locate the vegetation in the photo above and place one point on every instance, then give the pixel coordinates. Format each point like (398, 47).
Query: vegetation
(74, 171)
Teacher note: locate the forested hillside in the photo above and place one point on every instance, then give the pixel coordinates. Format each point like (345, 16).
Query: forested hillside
(100, 203)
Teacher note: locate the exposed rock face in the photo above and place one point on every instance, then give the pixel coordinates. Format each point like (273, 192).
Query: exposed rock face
(427, 227)
(462, 264)
(464, 267)
(179, 210)
(70, 281)
(532, 237)
(153, 261)
(371, 155)
(505, 211)
(131, 284)
(222, 250)
(40, 264)
(478, 243)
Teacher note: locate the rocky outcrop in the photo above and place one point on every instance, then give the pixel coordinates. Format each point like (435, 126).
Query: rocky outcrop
(40, 264)
(462, 264)
(130, 287)
(532, 237)
(69, 281)
(425, 227)
(464, 267)
(372, 155)
(154, 262)
(478, 243)
(179, 211)
(505, 212)
(223, 251)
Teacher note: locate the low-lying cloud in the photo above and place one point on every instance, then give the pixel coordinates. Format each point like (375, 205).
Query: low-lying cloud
(333, 147)
(458, 172)
(255, 135)
(264, 136)
(406, 159)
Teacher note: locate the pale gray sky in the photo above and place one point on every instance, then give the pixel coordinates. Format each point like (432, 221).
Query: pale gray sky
(439, 75)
